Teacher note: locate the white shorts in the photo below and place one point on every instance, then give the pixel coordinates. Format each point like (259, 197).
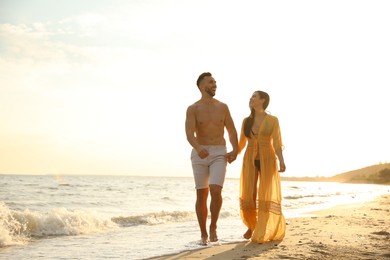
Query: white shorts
(210, 170)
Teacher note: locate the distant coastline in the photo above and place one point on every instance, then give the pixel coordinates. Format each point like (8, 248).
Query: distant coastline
(374, 174)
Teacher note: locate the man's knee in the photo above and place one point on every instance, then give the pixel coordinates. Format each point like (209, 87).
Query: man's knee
(202, 194)
(215, 190)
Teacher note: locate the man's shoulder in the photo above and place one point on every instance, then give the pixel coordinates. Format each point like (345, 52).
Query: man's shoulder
(220, 103)
(201, 102)
(193, 105)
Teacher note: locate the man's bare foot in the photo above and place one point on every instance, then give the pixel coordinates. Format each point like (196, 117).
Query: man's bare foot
(204, 240)
(213, 235)
(248, 234)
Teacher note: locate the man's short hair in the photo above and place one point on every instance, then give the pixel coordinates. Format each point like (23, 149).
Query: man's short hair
(202, 76)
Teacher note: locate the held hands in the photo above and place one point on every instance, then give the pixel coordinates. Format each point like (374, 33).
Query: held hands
(231, 157)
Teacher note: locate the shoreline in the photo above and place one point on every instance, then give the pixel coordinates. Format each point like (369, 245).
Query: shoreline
(352, 231)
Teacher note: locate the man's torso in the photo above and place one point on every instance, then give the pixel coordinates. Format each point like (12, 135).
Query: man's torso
(210, 123)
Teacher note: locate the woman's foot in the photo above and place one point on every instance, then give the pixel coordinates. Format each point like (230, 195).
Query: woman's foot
(248, 234)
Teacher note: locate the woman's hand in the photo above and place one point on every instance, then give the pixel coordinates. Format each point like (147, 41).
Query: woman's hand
(282, 166)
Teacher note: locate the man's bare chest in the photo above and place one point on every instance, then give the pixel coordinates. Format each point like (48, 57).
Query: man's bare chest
(210, 117)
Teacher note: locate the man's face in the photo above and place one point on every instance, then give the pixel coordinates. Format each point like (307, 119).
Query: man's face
(210, 86)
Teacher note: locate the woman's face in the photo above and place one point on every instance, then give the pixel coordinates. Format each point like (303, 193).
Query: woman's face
(255, 100)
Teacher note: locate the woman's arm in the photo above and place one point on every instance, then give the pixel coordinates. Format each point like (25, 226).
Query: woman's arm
(243, 139)
(278, 145)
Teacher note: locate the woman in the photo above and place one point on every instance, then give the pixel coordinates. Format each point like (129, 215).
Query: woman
(262, 133)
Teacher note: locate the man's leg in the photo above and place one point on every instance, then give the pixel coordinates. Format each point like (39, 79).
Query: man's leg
(217, 178)
(215, 207)
(201, 212)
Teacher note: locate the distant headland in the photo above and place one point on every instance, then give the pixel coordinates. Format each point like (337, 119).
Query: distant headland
(374, 174)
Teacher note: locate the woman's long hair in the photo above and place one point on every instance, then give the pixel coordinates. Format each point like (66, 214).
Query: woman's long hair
(251, 118)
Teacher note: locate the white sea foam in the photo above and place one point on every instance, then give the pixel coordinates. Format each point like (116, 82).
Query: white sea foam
(12, 232)
(155, 218)
(17, 227)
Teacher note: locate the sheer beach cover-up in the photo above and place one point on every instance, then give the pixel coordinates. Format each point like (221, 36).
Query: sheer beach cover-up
(266, 221)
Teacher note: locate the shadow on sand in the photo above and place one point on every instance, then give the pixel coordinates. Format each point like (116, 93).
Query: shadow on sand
(233, 251)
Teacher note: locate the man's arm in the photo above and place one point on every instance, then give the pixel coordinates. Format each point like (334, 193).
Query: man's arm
(229, 124)
(190, 132)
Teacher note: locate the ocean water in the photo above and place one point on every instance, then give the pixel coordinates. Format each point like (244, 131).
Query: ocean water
(128, 217)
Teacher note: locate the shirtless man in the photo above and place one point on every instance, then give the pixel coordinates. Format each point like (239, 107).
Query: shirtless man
(206, 120)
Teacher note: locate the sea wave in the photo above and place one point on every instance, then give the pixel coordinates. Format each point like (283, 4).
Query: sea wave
(11, 230)
(154, 218)
(18, 227)
(294, 197)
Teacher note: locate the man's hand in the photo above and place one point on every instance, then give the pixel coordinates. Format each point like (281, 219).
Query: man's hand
(203, 153)
(231, 157)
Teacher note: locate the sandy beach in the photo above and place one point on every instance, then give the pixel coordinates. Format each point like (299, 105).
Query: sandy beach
(354, 231)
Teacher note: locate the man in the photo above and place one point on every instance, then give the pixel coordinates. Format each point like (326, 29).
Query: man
(206, 120)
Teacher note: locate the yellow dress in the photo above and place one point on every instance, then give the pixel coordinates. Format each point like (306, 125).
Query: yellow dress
(267, 221)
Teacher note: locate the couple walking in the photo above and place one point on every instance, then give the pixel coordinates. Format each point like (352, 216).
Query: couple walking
(260, 192)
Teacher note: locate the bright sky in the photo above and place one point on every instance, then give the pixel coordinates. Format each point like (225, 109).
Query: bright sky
(102, 87)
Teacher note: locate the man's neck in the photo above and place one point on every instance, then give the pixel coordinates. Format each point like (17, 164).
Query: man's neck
(206, 98)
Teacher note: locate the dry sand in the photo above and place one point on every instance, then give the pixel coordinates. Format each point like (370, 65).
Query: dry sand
(355, 231)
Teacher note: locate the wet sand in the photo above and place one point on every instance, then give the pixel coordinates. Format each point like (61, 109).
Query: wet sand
(354, 231)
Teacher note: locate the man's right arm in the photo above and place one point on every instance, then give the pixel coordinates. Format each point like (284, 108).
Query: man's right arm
(190, 127)
(190, 132)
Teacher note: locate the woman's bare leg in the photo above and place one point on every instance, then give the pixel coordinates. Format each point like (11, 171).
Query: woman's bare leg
(248, 233)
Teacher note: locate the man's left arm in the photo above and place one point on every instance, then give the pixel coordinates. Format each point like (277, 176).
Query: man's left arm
(229, 124)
